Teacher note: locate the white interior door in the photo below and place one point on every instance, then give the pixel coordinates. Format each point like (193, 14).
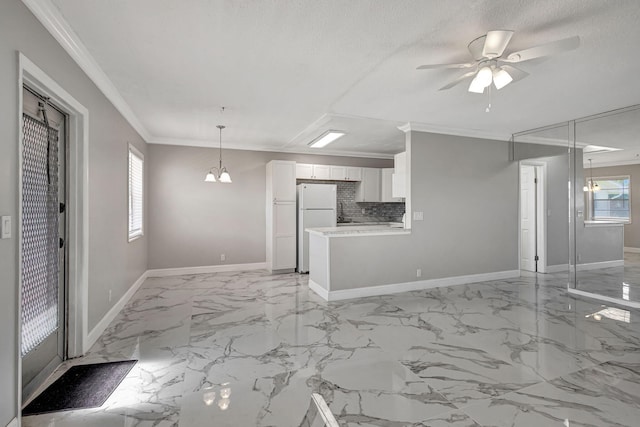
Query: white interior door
(527, 218)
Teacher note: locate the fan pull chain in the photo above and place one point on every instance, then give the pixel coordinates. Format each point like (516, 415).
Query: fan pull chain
(488, 109)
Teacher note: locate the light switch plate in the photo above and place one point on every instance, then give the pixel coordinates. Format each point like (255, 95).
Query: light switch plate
(418, 216)
(6, 227)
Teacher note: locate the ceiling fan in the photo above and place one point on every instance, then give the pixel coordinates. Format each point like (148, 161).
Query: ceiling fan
(490, 65)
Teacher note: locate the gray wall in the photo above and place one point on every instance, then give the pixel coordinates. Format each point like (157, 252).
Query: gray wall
(192, 222)
(114, 264)
(468, 191)
(631, 231)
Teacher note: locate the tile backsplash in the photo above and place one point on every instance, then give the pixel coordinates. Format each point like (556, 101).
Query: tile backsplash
(352, 210)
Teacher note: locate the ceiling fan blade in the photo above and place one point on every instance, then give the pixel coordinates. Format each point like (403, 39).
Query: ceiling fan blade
(435, 66)
(515, 73)
(458, 80)
(546, 49)
(496, 42)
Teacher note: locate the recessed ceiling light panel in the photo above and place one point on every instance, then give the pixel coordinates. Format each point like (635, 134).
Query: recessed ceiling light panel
(326, 138)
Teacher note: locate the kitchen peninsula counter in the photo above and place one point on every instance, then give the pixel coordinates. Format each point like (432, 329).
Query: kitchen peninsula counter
(344, 260)
(357, 230)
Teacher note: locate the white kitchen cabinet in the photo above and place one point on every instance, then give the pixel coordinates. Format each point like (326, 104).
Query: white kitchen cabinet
(281, 215)
(304, 171)
(308, 171)
(338, 173)
(346, 173)
(368, 190)
(386, 187)
(354, 174)
(399, 177)
(322, 172)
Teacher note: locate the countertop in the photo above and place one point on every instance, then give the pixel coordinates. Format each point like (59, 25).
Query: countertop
(358, 224)
(600, 223)
(359, 230)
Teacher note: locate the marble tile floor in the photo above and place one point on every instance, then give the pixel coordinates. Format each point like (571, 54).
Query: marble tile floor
(249, 348)
(615, 282)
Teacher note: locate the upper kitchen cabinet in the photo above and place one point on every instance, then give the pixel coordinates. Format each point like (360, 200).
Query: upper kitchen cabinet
(399, 177)
(307, 171)
(346, 173)
(369, 188)
(281, 177)
(386, 181)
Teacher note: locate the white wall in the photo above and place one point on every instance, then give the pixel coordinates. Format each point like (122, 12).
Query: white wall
(192, 222)
(114, 264)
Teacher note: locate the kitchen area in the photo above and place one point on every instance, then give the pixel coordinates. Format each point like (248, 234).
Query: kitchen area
(306, 202)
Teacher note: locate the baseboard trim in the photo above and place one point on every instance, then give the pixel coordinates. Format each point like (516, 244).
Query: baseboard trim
(13, 423)
(632, 250)
(411, 286)
(318, 289)
(599, 297)
(166, 272)
(103, 324)
(563, 268)
(603, 264)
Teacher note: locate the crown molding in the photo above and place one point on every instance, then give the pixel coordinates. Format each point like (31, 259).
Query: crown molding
(51, 18)
(446, 130)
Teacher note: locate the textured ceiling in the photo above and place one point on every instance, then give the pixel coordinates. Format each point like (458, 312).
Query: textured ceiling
(282, 67)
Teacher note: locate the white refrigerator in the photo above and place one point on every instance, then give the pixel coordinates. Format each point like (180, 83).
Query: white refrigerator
(316, 208)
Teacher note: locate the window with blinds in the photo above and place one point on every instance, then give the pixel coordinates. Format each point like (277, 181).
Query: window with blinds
(136, 193)
(612, 200)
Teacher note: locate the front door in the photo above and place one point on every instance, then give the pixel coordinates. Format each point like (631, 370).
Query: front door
(43, 234)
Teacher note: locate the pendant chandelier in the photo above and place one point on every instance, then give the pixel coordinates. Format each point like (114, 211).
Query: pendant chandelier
(593, 186)
(220, 173)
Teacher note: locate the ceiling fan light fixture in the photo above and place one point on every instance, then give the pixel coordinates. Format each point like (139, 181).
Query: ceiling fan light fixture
(484, 76)
(501, 78)
(475, 86)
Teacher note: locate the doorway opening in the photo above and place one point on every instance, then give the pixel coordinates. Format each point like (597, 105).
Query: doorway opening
(532, 217)
(74, 315)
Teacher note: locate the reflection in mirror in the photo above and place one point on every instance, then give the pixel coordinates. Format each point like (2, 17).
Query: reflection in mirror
(544, 231)
(608, 243)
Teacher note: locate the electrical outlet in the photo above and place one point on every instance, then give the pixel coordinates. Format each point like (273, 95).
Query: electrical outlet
(419, 272)
(109, 295)
(418, 216)
(223, 257)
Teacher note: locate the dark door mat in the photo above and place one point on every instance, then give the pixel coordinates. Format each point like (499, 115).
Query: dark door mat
(82, 386)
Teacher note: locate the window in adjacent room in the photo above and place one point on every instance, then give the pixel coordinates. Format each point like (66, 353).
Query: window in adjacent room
(136, 193)
(612, 199)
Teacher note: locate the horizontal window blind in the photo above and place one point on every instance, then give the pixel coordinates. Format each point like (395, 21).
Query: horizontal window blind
(613, 199)
(136, 194)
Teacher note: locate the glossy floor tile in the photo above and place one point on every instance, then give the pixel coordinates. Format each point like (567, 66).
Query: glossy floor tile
(615, 282)
(249, 348)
